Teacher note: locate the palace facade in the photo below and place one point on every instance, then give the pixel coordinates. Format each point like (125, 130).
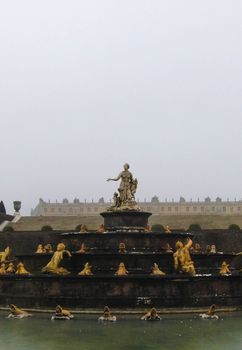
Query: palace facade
(182, 207)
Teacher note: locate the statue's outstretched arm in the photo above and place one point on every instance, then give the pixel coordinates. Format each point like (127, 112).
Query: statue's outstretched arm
(115, 179)
(189, 243)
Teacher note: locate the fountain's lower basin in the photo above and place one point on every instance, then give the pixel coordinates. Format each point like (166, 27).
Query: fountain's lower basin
(129, 291)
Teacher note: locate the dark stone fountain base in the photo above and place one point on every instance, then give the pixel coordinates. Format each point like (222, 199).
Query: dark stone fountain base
(121, 292)
(125, 221)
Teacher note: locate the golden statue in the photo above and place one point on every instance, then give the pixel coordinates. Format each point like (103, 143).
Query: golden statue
(21, 270)
(3, 269)
(210, 314)
(182, 258)
(82, 249)
(54, 265)
(5, 254)
(122, 248)
(87, 271)
(121, 270)
(61, 314)
(213, 249)
(127, 189)
(48, 248)
(107, 315)
(224, 269)
(156, 271)
(152, 315)
(147, 228)
(40, 249)
(101, 229)
(16, 312)
(11, 268)
(167, 229)
(83, 229)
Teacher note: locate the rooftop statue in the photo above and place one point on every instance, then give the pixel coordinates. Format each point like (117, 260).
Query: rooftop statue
(182, 258)
(54, 265)
(124, 199)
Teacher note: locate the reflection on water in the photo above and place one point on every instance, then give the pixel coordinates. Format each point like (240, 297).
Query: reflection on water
(183, 333)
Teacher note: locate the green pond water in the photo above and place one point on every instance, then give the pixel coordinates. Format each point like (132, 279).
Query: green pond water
(172, 332)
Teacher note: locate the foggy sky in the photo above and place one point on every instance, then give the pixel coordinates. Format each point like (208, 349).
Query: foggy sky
(86, 86)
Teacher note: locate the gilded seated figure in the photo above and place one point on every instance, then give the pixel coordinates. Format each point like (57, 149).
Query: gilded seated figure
(3, 269)
(167, 229)
(83, 229)
(87, 271)
(107, 315)
(61, 314)
(5, 254)
(21, 270)
(122, 248)
(40, 249)
(101, 229)
(152, 315)
(16, 312)
(156, 271)
(224, 269)
(121, 270)
(182, 258)
(54, 265)
(11, 268)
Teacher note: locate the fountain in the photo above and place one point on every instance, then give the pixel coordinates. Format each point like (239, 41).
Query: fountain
(122, 265)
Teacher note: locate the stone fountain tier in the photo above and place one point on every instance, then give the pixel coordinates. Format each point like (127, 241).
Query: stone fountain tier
(122, 292)
(152, 241)
(136, 262)
(125, 220)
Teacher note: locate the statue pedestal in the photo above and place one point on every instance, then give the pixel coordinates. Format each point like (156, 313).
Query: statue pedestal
(125, 221)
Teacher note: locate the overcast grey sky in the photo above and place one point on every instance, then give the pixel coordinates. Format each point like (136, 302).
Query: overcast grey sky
(88, 85)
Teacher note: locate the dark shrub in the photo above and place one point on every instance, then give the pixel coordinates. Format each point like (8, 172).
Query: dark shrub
(46, 228)
(234, 227)
(194, 227)
(8, 229)
(157, 228)
(78, 228)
